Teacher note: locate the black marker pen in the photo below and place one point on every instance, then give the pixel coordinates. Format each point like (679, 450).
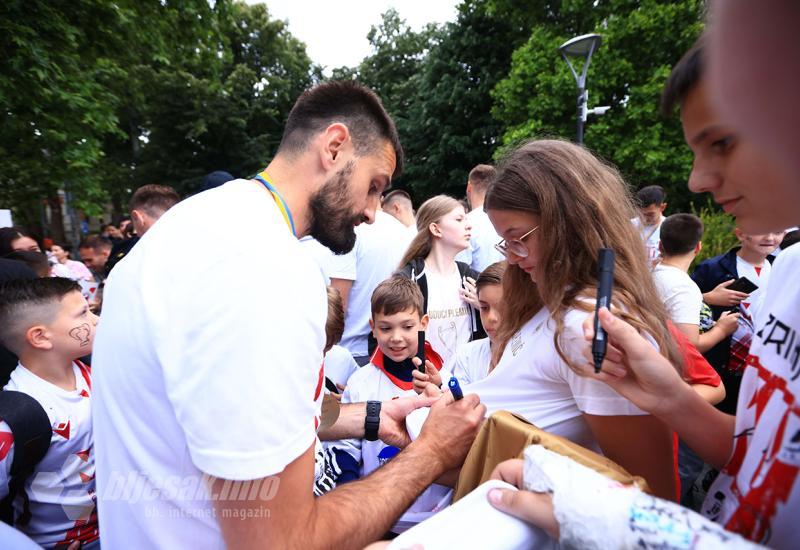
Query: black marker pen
(605, 284)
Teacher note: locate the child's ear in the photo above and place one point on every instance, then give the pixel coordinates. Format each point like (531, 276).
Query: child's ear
(38, 337)
(424, 322)
(698, 248)
(661, 248)
(372, 326)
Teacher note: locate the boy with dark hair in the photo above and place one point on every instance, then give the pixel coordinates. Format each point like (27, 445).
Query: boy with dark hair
(397, 317)
(48, 325)
(650, 202)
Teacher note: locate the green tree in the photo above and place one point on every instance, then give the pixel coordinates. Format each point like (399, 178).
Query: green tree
(642, 40)
(449, 127)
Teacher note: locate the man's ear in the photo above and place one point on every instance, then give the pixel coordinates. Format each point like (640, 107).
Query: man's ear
(662, 207)
(424, 322)
(661, 248)
(698, 248)
(38, 337)
(332, 142)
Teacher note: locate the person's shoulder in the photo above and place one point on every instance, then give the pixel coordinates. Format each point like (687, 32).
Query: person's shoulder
(363, 381)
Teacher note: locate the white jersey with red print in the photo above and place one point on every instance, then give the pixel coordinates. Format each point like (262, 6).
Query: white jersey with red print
(59, 496)
(758, 492)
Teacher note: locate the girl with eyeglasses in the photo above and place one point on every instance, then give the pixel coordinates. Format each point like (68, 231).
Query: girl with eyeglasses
(555, 205)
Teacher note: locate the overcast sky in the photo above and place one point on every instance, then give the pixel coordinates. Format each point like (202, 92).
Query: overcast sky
(335, 32)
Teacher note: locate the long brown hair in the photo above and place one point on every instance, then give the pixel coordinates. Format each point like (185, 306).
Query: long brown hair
(431, 211)
(584, 205)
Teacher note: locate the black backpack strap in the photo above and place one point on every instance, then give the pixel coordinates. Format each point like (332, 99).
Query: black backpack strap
(32, 433)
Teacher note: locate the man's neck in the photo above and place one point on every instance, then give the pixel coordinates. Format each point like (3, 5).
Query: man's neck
(752, 258)
(476, 202)
(681, 262)
(295, 184)
(56, 370)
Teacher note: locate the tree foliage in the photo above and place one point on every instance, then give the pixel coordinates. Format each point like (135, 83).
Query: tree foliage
(642, 40)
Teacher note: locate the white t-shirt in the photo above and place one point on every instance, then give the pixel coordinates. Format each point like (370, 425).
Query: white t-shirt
(680, 294)
(449, 317)
(470, 362)
(201, 370)
(369, 383)
(320, 253)
(339, 365)
(60, 493)
(481, 252)
(758, 493)
(533, 381)
(651, 235)
(376, 255)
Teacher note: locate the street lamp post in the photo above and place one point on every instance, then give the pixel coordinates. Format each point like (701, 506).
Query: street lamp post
(582, 46)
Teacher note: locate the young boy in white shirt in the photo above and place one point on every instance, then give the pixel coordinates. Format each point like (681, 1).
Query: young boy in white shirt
(397, 318)
(48, 325)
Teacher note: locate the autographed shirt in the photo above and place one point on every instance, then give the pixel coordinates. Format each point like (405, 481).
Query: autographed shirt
(757, 494)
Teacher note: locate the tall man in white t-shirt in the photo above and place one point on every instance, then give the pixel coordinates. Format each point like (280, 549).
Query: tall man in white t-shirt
(481, 252)
(651, 203)
(209, 382)
(376, 255)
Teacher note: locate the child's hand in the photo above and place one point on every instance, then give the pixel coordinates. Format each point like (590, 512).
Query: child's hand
(421, 380)
(728, 322)
(724, 297)
(469, 293)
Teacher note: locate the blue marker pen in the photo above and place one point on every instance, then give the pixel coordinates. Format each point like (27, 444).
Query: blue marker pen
(455, 388)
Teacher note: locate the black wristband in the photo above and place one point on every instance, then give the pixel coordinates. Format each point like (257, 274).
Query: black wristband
(372, 421)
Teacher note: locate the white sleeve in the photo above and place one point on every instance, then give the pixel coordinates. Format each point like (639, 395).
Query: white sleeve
(343, 266)
(6, 457)
(241, 369)
(458, 366)
(591, 396)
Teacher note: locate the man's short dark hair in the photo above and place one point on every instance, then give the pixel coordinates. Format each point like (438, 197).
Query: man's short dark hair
(680, 233)
(24, 303)
(96, 243)
(481, 176)
(154, 199)
(652, 194)
(396, 196)
(684, 77)
(349, 103)
(397, 294)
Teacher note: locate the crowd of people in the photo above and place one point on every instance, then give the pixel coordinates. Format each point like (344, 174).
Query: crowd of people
(261, 385)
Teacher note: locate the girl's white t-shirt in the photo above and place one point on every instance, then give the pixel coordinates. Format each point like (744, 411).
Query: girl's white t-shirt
(449, 319)
(532, 380)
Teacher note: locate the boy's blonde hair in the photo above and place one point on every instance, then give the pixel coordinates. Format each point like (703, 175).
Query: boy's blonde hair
(397, 294)
(334, 325)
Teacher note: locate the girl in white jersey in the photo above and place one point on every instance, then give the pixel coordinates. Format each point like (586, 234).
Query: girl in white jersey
(448, 286)
(556, 205)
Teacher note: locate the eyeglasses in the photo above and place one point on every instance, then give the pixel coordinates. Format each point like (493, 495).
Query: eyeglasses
(516, 246)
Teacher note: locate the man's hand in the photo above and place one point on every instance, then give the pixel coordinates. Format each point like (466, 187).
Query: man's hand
(632, 366)
(723, 297)
(421, 380)
(451, 428)
(728, 322)
(392, 428)
(534, 508)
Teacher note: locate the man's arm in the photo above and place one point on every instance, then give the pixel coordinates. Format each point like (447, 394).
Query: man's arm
(356, 513)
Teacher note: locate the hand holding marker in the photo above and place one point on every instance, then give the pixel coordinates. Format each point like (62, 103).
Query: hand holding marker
(605, 284)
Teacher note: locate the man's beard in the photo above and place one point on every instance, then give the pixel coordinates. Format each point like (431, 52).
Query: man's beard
(332, 220)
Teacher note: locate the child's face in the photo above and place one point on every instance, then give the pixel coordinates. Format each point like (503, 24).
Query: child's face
(742, 180)
(72, 330)
(397, 333)
(652, 213)
(490, 298)
(760, 245)
(455, 228)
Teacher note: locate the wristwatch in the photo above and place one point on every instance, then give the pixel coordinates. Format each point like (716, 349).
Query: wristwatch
(372, 420)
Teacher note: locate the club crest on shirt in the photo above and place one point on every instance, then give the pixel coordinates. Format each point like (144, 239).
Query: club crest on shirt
(386, 454)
